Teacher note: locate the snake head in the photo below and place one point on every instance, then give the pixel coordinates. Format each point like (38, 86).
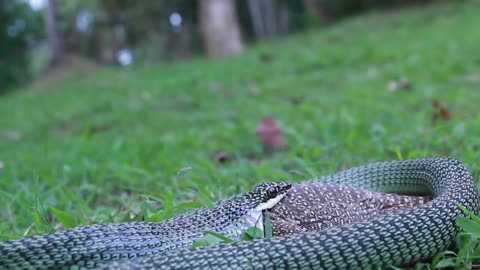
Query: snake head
(268, 194)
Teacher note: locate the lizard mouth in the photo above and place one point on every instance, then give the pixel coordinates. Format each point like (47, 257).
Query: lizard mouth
(270, 203)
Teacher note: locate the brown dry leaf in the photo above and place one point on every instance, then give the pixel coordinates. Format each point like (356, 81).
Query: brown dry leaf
(221, 156)
(445, 113)
(296, 100)
(270, 134)
(440, 110)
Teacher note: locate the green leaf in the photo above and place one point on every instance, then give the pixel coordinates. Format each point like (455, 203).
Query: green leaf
(206, 240)
(155, 217)
(40, 217)
(188, 205)
(252, 233)
(464, 238)
(445, 263)
(469, 213)
(476, 252)
(398, 153)
(205, 197)
(160, 215)
(469, 226)
(211, 238)
(444, 255)
(420, 266)
(219, 236)
(463, 256)
(168, 207)
(268, 225)
(393, 267)
(68, 220)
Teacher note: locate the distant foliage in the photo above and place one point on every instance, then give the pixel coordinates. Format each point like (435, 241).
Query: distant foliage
(123, 32)
(330, 10)
(18, 28)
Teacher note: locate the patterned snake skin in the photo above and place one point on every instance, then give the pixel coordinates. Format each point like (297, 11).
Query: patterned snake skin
(85, 246)
(392, 239)
(395, 238)
(315, 206)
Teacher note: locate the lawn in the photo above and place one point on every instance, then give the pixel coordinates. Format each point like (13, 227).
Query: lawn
(100, 144)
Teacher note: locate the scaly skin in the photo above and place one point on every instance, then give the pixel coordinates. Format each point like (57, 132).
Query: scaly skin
(392, 239)
(86, 246)
(315, 206)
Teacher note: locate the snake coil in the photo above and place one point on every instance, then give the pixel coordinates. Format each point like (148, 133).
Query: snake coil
(392, 239)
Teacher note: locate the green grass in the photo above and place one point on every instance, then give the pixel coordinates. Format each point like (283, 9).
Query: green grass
(108, 144)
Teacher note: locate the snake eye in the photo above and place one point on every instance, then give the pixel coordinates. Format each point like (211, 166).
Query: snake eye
(272, 192)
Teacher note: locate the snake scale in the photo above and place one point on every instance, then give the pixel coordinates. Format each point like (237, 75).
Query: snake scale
(315, 206)
(85, 246)
(392, 239)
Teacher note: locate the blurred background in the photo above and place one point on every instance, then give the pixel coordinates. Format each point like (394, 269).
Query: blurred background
(113, 110)
(40, 35)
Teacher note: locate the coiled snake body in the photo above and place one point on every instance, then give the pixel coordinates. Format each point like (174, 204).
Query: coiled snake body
(391, 239)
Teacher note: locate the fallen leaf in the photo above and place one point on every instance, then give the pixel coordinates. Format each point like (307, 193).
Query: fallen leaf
(99, 128)
(270, 134)
(399, 85)
(2, 165)
(445, 113)
(296, 100)
(440, 110)
(265, 57)
(221, 156)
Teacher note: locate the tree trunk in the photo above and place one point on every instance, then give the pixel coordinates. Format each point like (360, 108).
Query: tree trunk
(284, 19)
(270, 18)
(257, 18)
(55, 39)
(270, 13)
(220, 28)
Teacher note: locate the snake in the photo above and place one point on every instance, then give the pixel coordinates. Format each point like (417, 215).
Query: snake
(394, 238)
(86, 246)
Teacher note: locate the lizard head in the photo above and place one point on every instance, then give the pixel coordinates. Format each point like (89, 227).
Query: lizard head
(268, 194)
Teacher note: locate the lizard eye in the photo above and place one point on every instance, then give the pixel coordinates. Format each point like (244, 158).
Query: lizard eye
(272, 192)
